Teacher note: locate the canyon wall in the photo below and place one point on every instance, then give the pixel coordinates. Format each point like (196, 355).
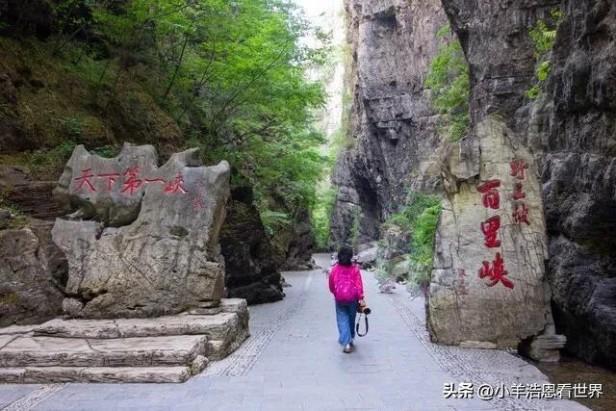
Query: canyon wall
(571, 131)
(392, 125)
(565, 138)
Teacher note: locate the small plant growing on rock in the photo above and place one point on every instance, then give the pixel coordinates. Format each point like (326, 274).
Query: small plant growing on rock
(48, 164)
(543, 36)
(422, 248)
(448, 78)
(420, 218)
(273, 220)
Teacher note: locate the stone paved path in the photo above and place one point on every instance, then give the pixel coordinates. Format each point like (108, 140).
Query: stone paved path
(293, 362)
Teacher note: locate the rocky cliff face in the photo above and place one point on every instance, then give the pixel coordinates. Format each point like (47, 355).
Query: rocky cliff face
(32, 275)
(251, 271)
(392, 123)
(571, 132)
(567, 137)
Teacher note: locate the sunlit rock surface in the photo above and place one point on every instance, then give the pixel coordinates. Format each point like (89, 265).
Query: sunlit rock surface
(151, 244)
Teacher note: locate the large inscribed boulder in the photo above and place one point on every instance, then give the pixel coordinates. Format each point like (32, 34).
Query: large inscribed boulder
(144, 239)
(488, 285)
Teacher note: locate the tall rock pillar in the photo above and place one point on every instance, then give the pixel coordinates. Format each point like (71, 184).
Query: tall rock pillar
(488, 284)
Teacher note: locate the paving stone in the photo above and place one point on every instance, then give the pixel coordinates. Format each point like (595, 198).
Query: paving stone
(292, 361)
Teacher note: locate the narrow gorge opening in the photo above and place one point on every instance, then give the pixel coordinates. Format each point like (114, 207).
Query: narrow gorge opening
(464, 151)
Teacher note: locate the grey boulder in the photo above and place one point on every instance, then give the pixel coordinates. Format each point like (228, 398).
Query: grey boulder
(150, 246)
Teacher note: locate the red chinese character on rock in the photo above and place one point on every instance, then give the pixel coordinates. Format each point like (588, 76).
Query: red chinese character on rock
(155, 180)
(176, 186)
(84, 180)
(111, 179)
(132, 181)
(496, 272)
(491, 197)
(518, 168)
(520, 214)
(518, 194)
(490, 230)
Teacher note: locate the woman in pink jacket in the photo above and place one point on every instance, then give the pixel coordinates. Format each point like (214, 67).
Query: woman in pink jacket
(346, 285)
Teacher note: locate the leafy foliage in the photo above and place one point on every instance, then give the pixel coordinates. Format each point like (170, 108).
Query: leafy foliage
(423, 244)
(273, 220)
(383, 270)
(448, 78)
(415, 205)
(230, 74)
(543, 36)
(43, 163)
(321, 215)
(419, 217)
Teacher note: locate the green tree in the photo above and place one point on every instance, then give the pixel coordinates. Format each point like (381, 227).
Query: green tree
(233, 75)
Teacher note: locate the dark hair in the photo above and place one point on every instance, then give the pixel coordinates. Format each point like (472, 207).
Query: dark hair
(345, 255)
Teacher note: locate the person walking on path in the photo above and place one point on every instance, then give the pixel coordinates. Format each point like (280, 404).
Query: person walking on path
(346, 284)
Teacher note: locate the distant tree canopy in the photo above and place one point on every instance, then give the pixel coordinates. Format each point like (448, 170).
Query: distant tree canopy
(230, 72)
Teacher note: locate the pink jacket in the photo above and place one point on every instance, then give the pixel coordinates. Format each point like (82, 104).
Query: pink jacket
(338, 271)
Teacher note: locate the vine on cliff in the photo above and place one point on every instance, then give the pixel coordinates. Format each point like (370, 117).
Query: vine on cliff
(448, 79)
(543, 36)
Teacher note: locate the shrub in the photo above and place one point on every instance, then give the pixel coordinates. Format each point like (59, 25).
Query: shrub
(543, 36)
(48, 164)
(448, 78)
(419, 217)
(422, 248)
(273, 221)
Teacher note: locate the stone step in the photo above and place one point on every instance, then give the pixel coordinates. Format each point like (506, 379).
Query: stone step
(27, 351)
(213, 326)
(47, 375)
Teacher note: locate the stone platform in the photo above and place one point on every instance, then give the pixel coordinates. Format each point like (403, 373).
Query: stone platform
(163, 349)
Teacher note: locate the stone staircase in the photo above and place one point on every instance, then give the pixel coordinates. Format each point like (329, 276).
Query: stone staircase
(162, 350)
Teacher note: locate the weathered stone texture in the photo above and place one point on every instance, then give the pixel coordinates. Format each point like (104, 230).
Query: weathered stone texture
(570, 130)
(31, 197)
(574, 128)
(294, 243)
(151, 248)
(502, 311)
(163, 349)
(76, 352)
(29, 293)
(392, 123)
(251, 271)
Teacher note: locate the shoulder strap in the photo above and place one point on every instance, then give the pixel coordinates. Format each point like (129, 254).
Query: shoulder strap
(357, 325)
